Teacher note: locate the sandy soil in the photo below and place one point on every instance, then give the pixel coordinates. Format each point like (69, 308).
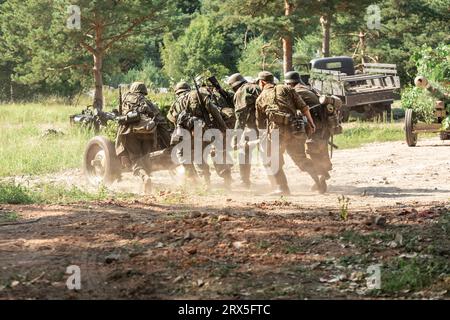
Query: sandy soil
(182, 242)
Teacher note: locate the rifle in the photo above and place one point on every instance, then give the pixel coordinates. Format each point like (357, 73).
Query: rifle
(215, 83)
(205, 112)
(120, 100)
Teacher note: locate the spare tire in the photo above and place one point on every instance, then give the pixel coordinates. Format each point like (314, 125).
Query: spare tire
(100, 163)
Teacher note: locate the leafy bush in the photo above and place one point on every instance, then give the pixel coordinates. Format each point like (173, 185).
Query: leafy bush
(201, 47)
(259, 55)
(11, 193)
(421, 103)
(148, 73)
(414, 274)
(433, 64)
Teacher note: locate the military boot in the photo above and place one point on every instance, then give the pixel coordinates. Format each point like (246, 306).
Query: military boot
(281, 185)
(146, 181)
(227, 182)
(320, 186)
(147, 185)
(207, 181)
(246, 184)
(323, 188)
(281, 191)
(245, 175)
(190, 175)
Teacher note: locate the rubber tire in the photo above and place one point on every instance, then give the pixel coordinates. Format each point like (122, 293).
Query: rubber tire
(345, 114)
(388, 109)
(112, 162)
(411, 138)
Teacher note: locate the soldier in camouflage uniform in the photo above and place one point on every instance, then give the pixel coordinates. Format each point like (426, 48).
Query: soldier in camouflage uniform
(143, 130)
(244, 101)
(189, 104)
(226, 110)
(182, 90)
(278, 107)
(317, 143)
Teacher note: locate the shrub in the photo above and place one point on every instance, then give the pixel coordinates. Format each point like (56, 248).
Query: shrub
(12, 193)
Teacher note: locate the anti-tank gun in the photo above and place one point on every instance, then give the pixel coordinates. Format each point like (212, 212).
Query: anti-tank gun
(93, 118)
(441, 121)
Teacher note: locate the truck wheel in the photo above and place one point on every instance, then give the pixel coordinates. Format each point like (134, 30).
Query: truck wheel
(411, 138)
(388, 110)
(345, 114)
(101, 165)
(377, 112)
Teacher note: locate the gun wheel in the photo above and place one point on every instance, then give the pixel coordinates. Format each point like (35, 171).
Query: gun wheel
(411, 137)
(101, 165)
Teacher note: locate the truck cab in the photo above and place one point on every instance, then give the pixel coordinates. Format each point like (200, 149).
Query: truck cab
(340, 64)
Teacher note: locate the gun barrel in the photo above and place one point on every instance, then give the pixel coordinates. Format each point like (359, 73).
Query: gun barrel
(213, 80)
(422, 82)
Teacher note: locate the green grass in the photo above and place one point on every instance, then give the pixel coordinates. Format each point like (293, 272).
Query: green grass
(359, 133)
(8, 217)
(412, 274)
(23, 149)
(14, 194)
(11, 193)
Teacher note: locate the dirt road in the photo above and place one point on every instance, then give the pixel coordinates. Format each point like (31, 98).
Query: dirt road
(182, 242)
(374, 175)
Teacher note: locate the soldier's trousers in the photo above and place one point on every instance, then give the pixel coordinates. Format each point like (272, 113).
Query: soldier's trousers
(222, 169)
(317, 150)
(202, 168)
(295, 147)
(245, 168)
(138, 146)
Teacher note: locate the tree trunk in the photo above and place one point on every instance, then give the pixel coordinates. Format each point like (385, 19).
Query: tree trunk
(98, 80)
(362, 45)
(98, 67)
(325, 22)
(287, 41)
(11, 90)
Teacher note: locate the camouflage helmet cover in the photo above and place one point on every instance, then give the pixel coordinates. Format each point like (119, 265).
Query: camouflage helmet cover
(236, 80)
(292, 77)
(181, 87)
(139, 87)
(266, 76)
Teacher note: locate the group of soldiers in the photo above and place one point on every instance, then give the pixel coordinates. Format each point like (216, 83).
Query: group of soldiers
(304, 121)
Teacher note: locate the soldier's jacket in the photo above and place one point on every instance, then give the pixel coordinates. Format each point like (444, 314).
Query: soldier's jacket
(318, 111)
(312, 100)
(245, 105)
(191, 104)
(135, 101)
(138, 102)
(226, 110)
(221, 101)
(181, 103)
(281, 98)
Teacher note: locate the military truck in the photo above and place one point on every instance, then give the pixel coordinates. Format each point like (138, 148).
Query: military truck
(369, 91)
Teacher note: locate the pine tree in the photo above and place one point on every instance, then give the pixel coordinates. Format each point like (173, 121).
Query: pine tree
(37, 33)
